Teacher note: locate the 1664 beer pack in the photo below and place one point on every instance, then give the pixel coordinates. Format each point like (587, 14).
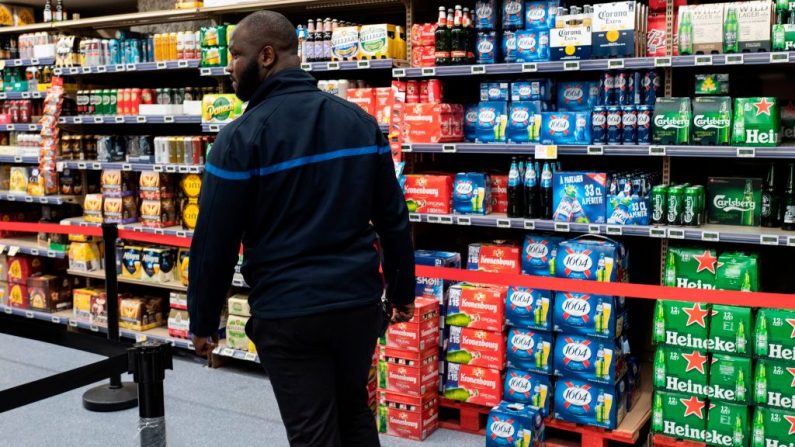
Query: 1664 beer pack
(512, 424)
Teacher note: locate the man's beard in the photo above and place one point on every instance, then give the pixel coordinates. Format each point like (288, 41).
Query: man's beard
(248, 81)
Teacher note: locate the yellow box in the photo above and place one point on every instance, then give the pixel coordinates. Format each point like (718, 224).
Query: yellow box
(183, 262)
(345, 43)
(236, 337)
(18, 180)
(131, 261)
(378, 42)
(141, 314)
(221, 108)
(238, 305)
(84, 256)
(81, 303)
(92, 208)
(23, 16)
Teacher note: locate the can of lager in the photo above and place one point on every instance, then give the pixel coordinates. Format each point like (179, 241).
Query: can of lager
(614, 125)
(599, 125)
(644, 124)
(659, 204)
(675, 205)
(629, 124)
(692, 211)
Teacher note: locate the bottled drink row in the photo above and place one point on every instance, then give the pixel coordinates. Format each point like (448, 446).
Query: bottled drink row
(127, 101)
(314, 39)
(335, 40)
(135, 148)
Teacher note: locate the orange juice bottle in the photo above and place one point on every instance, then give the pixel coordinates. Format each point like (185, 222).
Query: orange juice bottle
(158, 47)
(172, 46)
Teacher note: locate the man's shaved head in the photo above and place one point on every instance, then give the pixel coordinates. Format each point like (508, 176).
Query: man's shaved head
(263, 44)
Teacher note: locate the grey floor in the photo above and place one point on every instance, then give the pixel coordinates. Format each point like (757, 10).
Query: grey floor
(204, 407)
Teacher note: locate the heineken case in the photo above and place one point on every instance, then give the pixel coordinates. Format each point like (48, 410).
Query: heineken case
(730, 379)
(581, 402)
(690, 268)
(679, 415)
(682, 324)
(671, 120)
(528, 388)
(590, 315)
(774, 384)
(512, 424)
(681, 370)
(775, 334)
(754, 22)
(530, 350)
(730, 329)
(711, 121)
(589, 359)
(756, 122)
(529, 308)
(773, 427)
(727, 425)
(738, 271)
(712, 84)
(734, 201)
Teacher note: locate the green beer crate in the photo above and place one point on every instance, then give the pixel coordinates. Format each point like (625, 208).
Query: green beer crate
(738, 271)
(757, 122)
(730, 329)
(671, 121)
(728, 425)
(775, 334)
(683, 371)
(734, 201)
(774, 384)
(690, 268)
(773, 428)
(679, 415)
(682, 324)
(712, 121)
(730, 378)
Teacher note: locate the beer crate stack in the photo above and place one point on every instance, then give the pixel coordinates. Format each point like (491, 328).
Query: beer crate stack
(408, 374)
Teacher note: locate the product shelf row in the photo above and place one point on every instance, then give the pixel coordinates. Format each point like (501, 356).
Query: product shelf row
(28, 246)
(44, 200)
(137, 167)
(169, 231)
(19, 159)
(130, 119)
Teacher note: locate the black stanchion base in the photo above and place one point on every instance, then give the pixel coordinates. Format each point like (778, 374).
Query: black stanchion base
(105, 398)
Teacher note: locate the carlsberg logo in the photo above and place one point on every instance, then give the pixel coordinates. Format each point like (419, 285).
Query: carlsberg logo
(670, 122)
(730, 204)
(711, 122)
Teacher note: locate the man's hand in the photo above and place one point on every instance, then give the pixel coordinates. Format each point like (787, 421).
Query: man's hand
(401, 313)
(205, 345)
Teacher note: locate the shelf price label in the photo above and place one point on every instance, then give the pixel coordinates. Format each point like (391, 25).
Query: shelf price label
(571, 66)
(119, 67)
(529, 225)
(25, 95)
(8, 310)
(228, 352)
(33, 127)
(56, 319)
(768, 239)
(18, 159)
(406, 148)
(428, 71)
(503, 223)
(214, 128)
(477, 69)
(446, 220)
(168, 119)
(615, 64)
(34, 251)
(594, 229)
(73, 323)
(530, 67)
(746, 152)
(790, 241)
(735, 59)
(28, 314)
(98, 120)
(95, 166)
(595, 150)
(463, 220)
(614, 230)
(171, 169)
(126, 167)
(57, 71)
(659, 233)
(710, 236)
(17, 62)
(13, 250)
(434, 219)
(140, 338)
(10, 127)
(93, 328)
(102, 69)
(676, 233)
(657, 151)
(562, 227)
(333, 66)
(703, 60)
(78, 120)
(449, 148)
(414, 217)
(363, 64)
(183, 64)
(34, 61)
(306, 66)
(779, 57)
(398, 72)
(546, 151)
(250, 356)
(140, 119)
(86, 70)
(118, 119)
(163, 66)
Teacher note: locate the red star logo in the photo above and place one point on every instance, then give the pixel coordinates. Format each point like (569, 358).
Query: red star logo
(791, 420)
(792, 372)
(694, 406)
(706, 262)
(696, 315)
(695, 360)
(763, 107)
(791, 322)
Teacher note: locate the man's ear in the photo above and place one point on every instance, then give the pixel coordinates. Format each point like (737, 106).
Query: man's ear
(268, 57)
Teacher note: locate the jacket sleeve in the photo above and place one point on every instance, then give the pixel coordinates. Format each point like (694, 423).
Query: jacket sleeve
(225, 194)
(391, 221)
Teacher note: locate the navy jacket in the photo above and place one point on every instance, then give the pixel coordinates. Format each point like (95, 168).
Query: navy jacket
(306, 181)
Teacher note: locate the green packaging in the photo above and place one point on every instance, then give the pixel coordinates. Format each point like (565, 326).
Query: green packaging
(773, 428)
(679, 415)
(756, 122)
(690, 268)
(730, 328)
(727, 425)
(730, 379)
(775, 334)
(682, 324)
(712, 84)
(738, 271)
(712, 119)
(734, 201)
(774, 384)
(671, 121)
(683, 371)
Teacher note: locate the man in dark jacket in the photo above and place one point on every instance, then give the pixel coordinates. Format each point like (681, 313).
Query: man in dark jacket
(306, 181)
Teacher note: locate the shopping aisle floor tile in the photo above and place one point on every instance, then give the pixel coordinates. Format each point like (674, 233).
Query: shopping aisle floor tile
(204, 407)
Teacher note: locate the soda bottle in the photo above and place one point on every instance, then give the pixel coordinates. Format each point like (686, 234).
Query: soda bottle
(760, 390)
(531, 191)
(659, 317)
(686, 34)
(546, 193)
(731, 41)
(659, 369)
(747, 215)
(458, 51)
(657, 414)
(788, 201)
(514, 191)
(761, 337)
(442, 35)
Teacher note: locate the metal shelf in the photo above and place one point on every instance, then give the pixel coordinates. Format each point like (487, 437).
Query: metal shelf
(215, 128)
(44, 200)
(28, 246)
(23, 95)
(633, 63)
(100, 274)
(170, 231)
(27, 62)
(132, 166)
(706, 233)
(224, 351)
(127, 68)
(377, 64)
(20, 127)
(19, 159)
(131, 119)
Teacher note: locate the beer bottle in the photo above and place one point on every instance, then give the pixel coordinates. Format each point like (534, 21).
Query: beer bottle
(309, 42)
(740, 339)
(686, 34)
(737, 440)
(670, 270)
(327, 39)
(657, 414)
(531, 191)
(48, 11)
(739, 387)
(515, 208)
(760, 390)
(738, 130)
(319, 45)
(458, 52)
(469, 36)
(747, 215)
(659, 369)
(659, 321)
(761, 337)
(731, 41)
(546, 193)
(759, 429)
(782, 5)
(788, 201)
(770, 201)
(779, 36)
(442, 35)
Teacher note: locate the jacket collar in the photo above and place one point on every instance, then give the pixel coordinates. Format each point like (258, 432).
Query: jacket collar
(289, 80)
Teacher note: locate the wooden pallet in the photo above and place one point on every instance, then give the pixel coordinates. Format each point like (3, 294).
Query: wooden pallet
(462, 416)
(666, 441)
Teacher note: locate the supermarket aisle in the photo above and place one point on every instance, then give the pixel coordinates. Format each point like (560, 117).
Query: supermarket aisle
(203, 407)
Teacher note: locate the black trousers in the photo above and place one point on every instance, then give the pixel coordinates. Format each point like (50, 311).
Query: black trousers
(319, 366)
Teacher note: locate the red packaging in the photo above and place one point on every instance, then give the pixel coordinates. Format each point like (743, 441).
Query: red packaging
(484, 348)
(18, 296)
(499, 193)
(429, 193)
(424, 91)
(20, 268)
(397, 150)
(135, 100)
(407, 372)
(423, 34)
(364, 98)
(408, 417)
(434, 123)
(419, 333)
(473, 384)
(384, 98)
(397, 131)
(424, 56)
(399, 90)
(412, 91)
(123, 101)
(659, 5)
(498, 258)
(484, 305)
(434, 88)
(655, 37)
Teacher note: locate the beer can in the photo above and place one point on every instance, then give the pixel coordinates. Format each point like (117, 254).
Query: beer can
(659, 204)
(434, 91)
(629, 124)
(198, 151)
(486, 47)
(113, 102)
(148, 96)
(675, 205)
(177, 95)
(599, 124)
(606, 82)
(123, 101)
(412, 91)
(150, 49)
(161, 151)
(635, 88)
(509, 49)
(614, 125)
(620, 92)
(135, 100)
(702, 198)
(106, 110)
(164, 96)
(644, 124)
(424, 91)
(691, 209)
(651, 84)
(173, 149)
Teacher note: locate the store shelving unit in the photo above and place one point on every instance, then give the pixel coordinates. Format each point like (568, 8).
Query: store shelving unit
(56, 199)
(28, 246)
(128, 68)
(136, 167)
(19, 159)
(100, 274)
(44, 61)
(130, 119)
(20, 127)
(23, 95)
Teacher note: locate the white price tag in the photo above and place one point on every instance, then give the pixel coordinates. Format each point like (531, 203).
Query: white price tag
(34, 251)
(73, 323)
(306, 67)
(746, 152)
(703, 59)
(449, 148)
(529, 225)
(33, 127)
(530, 68)
(78, 120)
(102, 69)
(29, 199)
(25, 95)
(657, 151)
(8, 310)
(2, 248)
(777, 58)
(434, 219)
(182, 64)
(414, 217)
(17, 62)
(93, 328)
(171, 168)
(711, 236)
(81, 165)
(503, 223)
(676, 233)
(658, 233)
(429, 71)
(333, 66)
(182, 233)
(140, 119)
(44, 200)
(28, 314)
(768, 239)
(205, 71)
(194, 169)
(214, 127)
(571, 66)
(3, 95)
(446, 220)
(126, 167)
(56, 319)
(363, 64)
(463, 220)
(157, 168)
(477, 69)
(250, 356)
(595, 150)
(118, 119)
(163, 66)
(168, 119)
(96, 166)
(614, 230)
(182, 169)
(61, 120)
(735, 59)
(546, 151)
(228, 352)
(790, 241)
(192, 347)
(594, 229)
(119, 67)
(34, 61)
(98, 120)
(563, 227)
(615, 64)
(18, 159)
(51, 254)
(10, 127)
(140, 338)
(57, 71)
(36, 95)
(398, 72)
(86, 70)
(406, 148)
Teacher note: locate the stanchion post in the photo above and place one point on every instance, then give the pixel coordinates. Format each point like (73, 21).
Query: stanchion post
(148, 362)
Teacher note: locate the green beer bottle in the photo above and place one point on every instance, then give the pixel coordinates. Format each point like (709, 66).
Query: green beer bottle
(659, 318)
(740, 339)
(382, 375)
(383, 419)
(600, 408)
(737, 440)
(686, 34)
(659, 368)
(657, 414)
(761, 337)
(459, 319)
(670, 270)
(782, 5)
(746, 286)
(760, 390)
(747, 216)
(739, 387)
(779, 34)
(731, 41)
(738, 130)
(462, 357)
(759, 429)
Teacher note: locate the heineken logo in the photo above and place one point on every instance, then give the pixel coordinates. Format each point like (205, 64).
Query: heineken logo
(576, 307)
(684, 283)
(693, 407)
(675, 339)
(695, 361)
(719, 344)
(706, 261)
(520, 115)
(717, 392)
(791, 420)
(537, 250)
(522, 342)
(757, 136)
(576, 352)
(686, 386)
(791, 322)
(777, 351)
(513, 7)
(520, 385)
(733, 204)
(577, 262)
(780, 400)
(776, 443)
(472, 116)
(527, 42)
(682, 431)
(485, 46)
(573, 94)
(521, 299)
(696, 315)
(710, 122)
(487, 116)
(670, 122)
(763, 107)
(577, 396)
(464, 188)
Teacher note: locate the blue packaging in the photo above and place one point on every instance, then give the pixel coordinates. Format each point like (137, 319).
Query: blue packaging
(589, 359)
(494, 91)
(579, 197)
(470, 122)
(530, 350)
(521, 126)
(599, 125)
(529, 308)
(486, 14)
(527, 388)
(601, 259)
(532, 90)
(437, 258)
(623, 210)
(538, 255)
(513, 424)
(565, 128)
(509, 49)
(473, 256)
(486, 47)
(581, 402)
(115, 52)
(578, 95)
(540, 14)
(471, 193)
(600, 316)
(532, 45)
(512, 14)
(491, 116)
